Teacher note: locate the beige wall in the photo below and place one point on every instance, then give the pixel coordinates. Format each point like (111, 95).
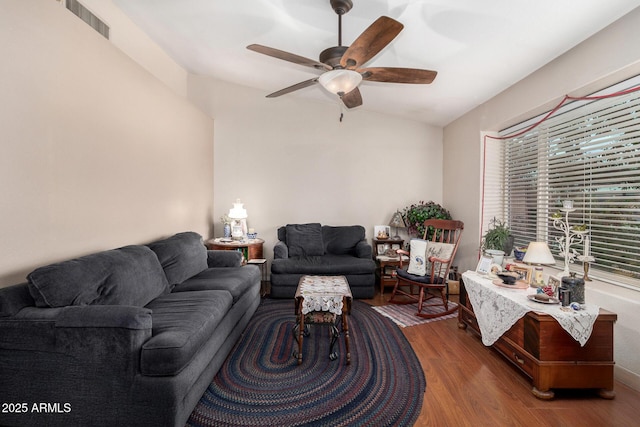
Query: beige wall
(608, 57)
(96, 152)
(292, 161)
(129, 38)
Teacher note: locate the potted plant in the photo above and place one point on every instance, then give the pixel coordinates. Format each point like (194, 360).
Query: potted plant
(498, 240)
(416, 214)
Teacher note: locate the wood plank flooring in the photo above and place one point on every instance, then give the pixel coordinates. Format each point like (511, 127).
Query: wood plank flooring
(469, 384)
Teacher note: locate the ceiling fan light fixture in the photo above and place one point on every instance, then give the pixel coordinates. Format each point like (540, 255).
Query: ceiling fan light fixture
(340, 81)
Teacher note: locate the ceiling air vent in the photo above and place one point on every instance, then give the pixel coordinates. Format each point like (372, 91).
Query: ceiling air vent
(83, 13)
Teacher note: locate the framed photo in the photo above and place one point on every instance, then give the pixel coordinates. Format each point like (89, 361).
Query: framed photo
(554, 282)
(524, 273)
(383, 248)
(484, 265)
(381, 231)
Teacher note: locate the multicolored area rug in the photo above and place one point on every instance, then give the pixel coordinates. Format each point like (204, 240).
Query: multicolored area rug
(261, 384)
(404, 315)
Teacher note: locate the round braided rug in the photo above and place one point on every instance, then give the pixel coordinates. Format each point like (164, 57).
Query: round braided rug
(261, 384)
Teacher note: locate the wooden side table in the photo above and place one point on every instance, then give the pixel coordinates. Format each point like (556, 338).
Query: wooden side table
(250, 248)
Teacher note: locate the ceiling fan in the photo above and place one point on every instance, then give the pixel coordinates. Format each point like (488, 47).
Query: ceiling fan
(342, 65)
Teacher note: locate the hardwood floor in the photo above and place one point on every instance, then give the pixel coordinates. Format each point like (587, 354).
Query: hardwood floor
(469, 384)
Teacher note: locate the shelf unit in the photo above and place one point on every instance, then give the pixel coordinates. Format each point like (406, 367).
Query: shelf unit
(386, 265)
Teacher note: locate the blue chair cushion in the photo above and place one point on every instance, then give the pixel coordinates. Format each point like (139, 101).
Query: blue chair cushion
(419, 279)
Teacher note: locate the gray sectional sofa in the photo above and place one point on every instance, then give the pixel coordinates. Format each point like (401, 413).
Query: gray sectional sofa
(126, 337)
(322, 250)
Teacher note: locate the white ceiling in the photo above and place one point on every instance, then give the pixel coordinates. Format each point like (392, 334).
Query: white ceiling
(479, 48)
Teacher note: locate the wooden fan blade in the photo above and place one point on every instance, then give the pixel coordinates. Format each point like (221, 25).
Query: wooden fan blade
(397, 75)
(352, 99)
(296, 86)
(371, 41)
(286, 56)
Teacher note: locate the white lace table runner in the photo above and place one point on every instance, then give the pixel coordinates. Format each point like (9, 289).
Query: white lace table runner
(323, 293)
(498, 308)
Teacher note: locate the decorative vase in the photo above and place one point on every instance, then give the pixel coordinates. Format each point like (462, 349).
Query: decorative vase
(497, 255)
(227, 230)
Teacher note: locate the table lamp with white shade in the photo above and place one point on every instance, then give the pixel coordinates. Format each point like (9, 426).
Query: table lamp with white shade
(538, 253)
(239, 216)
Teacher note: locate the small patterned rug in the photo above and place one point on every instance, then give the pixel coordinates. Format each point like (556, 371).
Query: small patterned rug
(261, 384)
(404, 315)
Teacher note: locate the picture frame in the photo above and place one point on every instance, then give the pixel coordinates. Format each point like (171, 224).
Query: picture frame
(484, 265)
(383, 248)
(524, 273)
(554, 282)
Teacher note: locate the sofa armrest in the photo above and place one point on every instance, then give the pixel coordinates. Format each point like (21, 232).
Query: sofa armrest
(280, 250)
(79, 355)
(222, 258)
(76, 330)
(14, 298)
(363, 249)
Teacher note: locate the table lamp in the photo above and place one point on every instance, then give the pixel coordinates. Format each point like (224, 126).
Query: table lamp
(398, 222)
(239, 216)
(538, 253)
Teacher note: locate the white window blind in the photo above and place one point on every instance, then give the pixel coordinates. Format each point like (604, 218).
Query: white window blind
(588, 152)
(493, 194)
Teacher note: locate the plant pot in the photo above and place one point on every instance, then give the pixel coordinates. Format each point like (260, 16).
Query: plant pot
(497, 255)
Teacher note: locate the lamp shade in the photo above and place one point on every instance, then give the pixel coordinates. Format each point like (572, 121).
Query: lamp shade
(237, 211)
(397, 221)
(340, 81)
(538, 253)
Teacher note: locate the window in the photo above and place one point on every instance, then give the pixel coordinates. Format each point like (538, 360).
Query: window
(587, 152)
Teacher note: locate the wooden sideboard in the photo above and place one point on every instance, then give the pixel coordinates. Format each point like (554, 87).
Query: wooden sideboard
(539, 347)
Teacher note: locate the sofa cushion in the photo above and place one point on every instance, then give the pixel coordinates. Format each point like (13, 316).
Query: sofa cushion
(304, 240)
(324, 265)
(182, 256)
(130, 275)
(342, 240)
(182, 323)
(236, 280)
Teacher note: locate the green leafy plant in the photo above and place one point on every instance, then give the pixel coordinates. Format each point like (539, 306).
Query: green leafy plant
(416, 214)
(498, 237)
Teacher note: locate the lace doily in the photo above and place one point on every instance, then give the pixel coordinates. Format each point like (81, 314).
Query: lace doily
(323, 293)
(497, 309)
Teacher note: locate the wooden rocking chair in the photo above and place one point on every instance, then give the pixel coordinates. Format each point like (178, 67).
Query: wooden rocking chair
(432, 285)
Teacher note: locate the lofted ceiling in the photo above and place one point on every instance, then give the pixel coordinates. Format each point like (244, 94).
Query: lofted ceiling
(479, 48)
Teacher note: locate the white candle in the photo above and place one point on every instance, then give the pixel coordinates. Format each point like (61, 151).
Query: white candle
(567, 204)
(587, 246)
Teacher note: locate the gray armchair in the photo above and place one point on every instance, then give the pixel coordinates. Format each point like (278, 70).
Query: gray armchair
(313, 249)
